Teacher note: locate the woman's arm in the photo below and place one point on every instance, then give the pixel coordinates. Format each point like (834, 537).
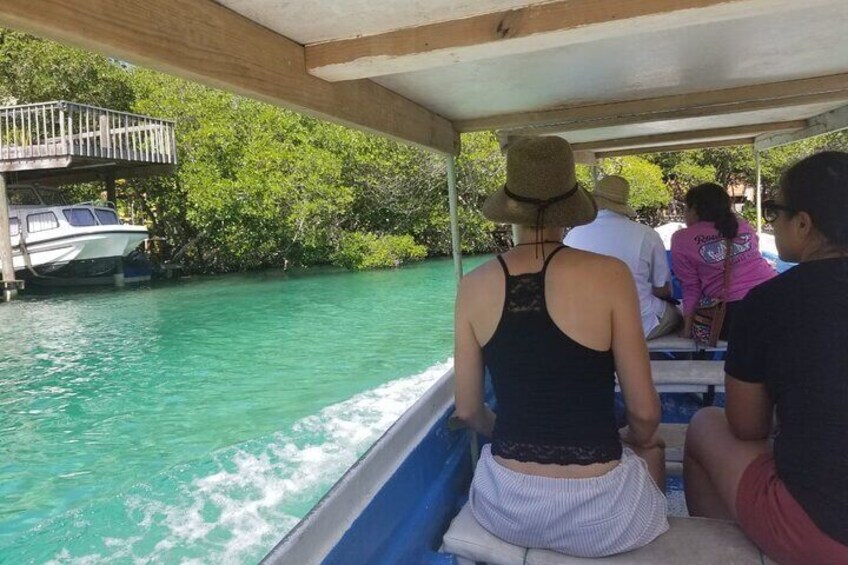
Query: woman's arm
(688, 322)
(660, 270)
(753, 336)
(687, 272)
(749, 409)
(631, 360)
(662, 291)
(468, 368)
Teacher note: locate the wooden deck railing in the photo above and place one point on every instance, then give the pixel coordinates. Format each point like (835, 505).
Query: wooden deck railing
(60, 129)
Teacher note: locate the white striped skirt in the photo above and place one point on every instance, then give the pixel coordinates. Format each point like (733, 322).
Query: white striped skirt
(594, 517)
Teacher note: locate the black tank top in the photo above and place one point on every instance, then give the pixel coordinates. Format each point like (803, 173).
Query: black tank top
(555, 396)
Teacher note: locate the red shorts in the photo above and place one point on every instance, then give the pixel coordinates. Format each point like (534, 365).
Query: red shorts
(771, 517)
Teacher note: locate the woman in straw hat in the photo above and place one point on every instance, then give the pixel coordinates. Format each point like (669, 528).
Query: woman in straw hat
(553, 325)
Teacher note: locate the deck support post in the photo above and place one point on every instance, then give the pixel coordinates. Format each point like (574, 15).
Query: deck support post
(759, 197)
(111, 194)
(8, 269)
(454, 218)
(118, 275)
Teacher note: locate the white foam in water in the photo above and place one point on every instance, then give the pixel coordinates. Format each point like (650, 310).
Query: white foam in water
(258, 490)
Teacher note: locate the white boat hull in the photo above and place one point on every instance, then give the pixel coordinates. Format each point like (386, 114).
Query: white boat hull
(94, 242)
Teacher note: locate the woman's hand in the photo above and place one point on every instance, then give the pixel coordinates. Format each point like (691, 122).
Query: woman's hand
(628, 438)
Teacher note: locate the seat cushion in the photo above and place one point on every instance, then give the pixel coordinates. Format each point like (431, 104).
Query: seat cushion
(693, 541)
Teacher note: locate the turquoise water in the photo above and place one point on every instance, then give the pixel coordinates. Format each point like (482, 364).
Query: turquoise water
(196, 422)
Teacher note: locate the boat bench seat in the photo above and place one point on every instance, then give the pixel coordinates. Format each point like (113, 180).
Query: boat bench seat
(687, 376)
(674, 436)
(672, 343)
(677, 344)
(690, 541)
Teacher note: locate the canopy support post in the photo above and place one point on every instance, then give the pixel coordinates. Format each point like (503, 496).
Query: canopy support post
(759, 197)
(454, 218)
(9, 284)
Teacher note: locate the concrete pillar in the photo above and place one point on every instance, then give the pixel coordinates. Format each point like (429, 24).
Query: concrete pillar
(8, 270)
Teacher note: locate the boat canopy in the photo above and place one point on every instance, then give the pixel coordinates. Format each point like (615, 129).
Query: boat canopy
(614, 77)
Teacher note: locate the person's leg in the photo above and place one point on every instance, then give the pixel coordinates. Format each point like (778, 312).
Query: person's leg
(702, 497)
(713, 463)
(670, 320)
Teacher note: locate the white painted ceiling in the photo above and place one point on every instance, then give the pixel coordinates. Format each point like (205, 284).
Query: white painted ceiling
(774, 40)
(638, 65)
(696, 124)
(306, 21)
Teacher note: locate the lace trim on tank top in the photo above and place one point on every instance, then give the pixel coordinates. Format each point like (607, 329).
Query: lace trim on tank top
(557, 454)
(525, 294)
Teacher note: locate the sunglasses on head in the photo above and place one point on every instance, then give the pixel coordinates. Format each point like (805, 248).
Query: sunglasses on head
(771, 210)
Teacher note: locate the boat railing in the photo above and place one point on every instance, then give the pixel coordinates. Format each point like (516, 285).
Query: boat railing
(68, 129)
(96, 204)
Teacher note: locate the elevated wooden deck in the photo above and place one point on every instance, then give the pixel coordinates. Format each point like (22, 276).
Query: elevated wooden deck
(62, 142)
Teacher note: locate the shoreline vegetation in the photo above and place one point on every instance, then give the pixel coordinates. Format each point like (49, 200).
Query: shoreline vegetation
(263, 187)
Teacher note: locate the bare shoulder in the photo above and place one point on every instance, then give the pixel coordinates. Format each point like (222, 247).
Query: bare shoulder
(600, 268)
(478, 281)
(481, 273)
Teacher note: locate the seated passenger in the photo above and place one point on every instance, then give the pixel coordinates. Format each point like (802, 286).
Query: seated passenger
(698, 254)
(553, 324)
(613, 233)
(788, 351)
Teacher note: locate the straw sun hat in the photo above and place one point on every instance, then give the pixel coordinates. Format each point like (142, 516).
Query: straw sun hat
(541, 187)
(612, 193)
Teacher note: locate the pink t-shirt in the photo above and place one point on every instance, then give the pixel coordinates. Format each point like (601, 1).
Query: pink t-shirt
(697, 259)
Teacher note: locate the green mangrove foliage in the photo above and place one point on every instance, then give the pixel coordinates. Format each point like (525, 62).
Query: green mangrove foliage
(259, 186)
(35, 70)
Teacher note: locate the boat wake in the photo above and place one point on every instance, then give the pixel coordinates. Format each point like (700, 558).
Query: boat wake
(233, 507)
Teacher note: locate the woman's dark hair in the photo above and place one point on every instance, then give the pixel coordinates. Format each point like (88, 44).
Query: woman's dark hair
(818, 185)
(712, 204)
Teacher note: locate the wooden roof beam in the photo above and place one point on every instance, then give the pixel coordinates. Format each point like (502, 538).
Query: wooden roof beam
(202, 41)
(706, 135)
(828, 122)
(671, 148)
(522, 30)
(832, 88)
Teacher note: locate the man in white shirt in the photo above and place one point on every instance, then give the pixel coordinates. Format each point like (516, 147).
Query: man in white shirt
(641, 248)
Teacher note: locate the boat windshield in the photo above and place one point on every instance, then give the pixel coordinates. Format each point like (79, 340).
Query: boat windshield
(23, 196)
(32, 196)
(51, 197)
